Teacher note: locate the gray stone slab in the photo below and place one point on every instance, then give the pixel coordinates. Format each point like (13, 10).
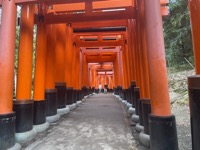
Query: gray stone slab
(98, 124)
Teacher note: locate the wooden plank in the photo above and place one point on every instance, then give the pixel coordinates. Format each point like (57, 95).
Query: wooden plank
(164, 2)
(67, 1)
(100, 44)
(100, 51)
(100, 59)
(98, 16)
(112, 4)
(165, 10)
(97, 24)
(49, 2)
(69, 7)
(20, 2)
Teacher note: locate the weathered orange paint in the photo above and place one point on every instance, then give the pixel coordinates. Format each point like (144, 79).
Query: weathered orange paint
(85, 72)
(95, 5)
(127, 65)
(124, 72)
(24, 74)
(132, 46)
(120, 69)
(68, 55)
(74, 72)
(7, 47)
(78, 68)
(60, 52)
(81, 69)
(194, 6)
(109, 23)
(143, 51)
(160, 102)
(50, 57)
(40, 63)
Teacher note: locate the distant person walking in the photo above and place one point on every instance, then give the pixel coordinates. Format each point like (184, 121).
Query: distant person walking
(105, 89)
(100, 87)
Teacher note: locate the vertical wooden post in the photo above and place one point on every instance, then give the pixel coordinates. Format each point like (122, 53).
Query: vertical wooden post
(143, 50)
(40, 63)
(23, 106)
(39, 116)
(60, 65)
(24, 78)
(50, 73)
(7, 51)
(194, 6)
(68, 66)
(163, 135)
(194, 81)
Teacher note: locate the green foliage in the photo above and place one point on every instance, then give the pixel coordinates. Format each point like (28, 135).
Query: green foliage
(177, 33)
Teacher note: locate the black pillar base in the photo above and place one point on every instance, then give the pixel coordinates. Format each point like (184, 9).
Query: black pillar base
(194, 100)
(133, 85)
(7, 130)
(24, 115)
(74, 97)
(69, 96)
(82, 92)
(140, 112)
(39, 112)
(136, 99)
(163, 133)
(51, 102)
(146, 111)
(61, 90)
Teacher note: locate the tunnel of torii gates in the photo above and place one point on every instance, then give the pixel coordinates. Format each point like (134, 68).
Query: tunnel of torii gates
(79, 45)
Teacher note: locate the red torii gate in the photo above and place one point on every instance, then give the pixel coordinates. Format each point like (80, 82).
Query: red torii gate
(61, 65)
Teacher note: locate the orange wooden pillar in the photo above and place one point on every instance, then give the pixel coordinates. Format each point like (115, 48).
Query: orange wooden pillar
(145, 92)
(74, 74)
(131, 47)
(23, 106)
(50, 73)
(61, 30)
(195, 22)
(129, 71)
(85, 74)
(68, 66)
(161, 120)
(194, 81)
(118, 73)
(7, 47)
(39, 117)
(125, 73)
(78, 75)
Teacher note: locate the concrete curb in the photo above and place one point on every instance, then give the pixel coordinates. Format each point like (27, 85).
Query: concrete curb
(135, 118)
(25, 136)
(144, 139)
(52, 119)
(131, 110)
(128, 105)
(17, 146)
(71, 107)
(78, 103)
(63, 111)
(139, 128)
(41, 127)
(124, 102)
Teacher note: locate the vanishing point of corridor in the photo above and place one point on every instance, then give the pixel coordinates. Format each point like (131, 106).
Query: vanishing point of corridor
(99, 123)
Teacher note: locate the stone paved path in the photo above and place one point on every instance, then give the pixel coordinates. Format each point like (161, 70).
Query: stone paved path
(97, 124)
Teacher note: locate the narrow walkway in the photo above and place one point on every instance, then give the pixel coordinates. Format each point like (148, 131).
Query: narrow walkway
(98, 124)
